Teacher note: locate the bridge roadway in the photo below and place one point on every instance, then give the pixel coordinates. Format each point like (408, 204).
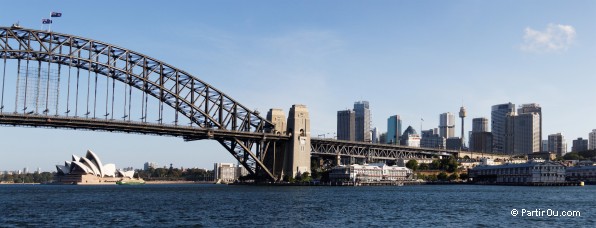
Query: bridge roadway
(187, 132)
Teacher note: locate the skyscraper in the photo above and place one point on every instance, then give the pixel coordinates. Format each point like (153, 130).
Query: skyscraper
(480, 124)
(592, 140)
(375, 135)
(579, 144)
(532, 108)
(346, 125)
(481, 140)
(447, 125)
(393, 129)
(362, 127)
(556, 144)
(498, 116)
(523, 133)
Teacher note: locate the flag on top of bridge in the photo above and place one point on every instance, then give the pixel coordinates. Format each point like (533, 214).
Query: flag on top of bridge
(46, 21)
(56, 14)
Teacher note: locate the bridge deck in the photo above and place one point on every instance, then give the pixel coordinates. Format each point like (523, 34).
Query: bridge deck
(186, 132)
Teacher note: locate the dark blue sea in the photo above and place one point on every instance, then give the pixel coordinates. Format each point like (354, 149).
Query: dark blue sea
(275, 206)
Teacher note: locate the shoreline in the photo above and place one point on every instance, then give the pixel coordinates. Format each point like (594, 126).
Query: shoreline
(179, 182)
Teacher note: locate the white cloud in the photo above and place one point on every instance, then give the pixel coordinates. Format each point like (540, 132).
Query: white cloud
(556, 37)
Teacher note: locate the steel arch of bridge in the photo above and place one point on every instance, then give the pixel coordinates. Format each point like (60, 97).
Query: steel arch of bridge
(202, 104)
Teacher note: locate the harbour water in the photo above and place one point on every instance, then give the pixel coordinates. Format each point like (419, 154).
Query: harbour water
(275, 206)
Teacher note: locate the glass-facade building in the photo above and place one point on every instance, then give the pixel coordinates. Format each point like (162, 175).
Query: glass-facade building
(498, 116)
(393, 130)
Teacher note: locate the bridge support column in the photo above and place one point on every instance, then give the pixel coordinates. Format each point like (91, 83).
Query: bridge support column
(276, 152)
(298, 147)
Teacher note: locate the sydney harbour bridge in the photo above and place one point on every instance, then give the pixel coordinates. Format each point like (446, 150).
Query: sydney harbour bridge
(56, 80)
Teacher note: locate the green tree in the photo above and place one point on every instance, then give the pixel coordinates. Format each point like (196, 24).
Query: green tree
(421, 176)
(412, 164)
(573, 156)
(449, 164)
(423, 166)
(305, 177)
(453, 176)
(588, 154)
(435, 164)
(442, 176)
(432, 177)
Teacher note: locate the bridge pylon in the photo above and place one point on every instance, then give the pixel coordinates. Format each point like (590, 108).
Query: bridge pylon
(291, 158)
(276, 152)
(298, 147)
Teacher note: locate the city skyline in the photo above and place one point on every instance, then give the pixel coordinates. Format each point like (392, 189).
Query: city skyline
(416, 60)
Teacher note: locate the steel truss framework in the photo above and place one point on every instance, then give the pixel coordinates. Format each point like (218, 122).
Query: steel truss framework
(372, 151)
(205, 106)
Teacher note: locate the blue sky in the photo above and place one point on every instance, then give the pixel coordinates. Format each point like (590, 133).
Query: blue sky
(413, 58)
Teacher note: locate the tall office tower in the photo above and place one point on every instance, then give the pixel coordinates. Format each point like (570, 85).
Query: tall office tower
(375, 135)
(579, 144)
(346, 120)
(592, 140)
(523, 133)
(498, 116)
(544, 145)
(393, 129)
(362, 127)
(462, 115)
(481, 140)
(447, 125)
(480, 124)
(532, 108)
(556, 144)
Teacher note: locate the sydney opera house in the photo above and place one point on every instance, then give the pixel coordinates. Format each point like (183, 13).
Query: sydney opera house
(89, 170)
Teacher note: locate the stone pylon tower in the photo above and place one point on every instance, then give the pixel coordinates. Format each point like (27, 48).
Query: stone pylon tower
(297, 159)
(276, 152)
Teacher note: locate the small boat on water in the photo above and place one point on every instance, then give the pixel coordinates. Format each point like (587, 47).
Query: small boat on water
(130, 182)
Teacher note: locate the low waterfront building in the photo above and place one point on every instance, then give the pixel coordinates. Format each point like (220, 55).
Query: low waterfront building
(241, 171)
(370, 173)
(468, 163)
(581, 173)
(526, 173)
(89, 170)
(225, 172)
